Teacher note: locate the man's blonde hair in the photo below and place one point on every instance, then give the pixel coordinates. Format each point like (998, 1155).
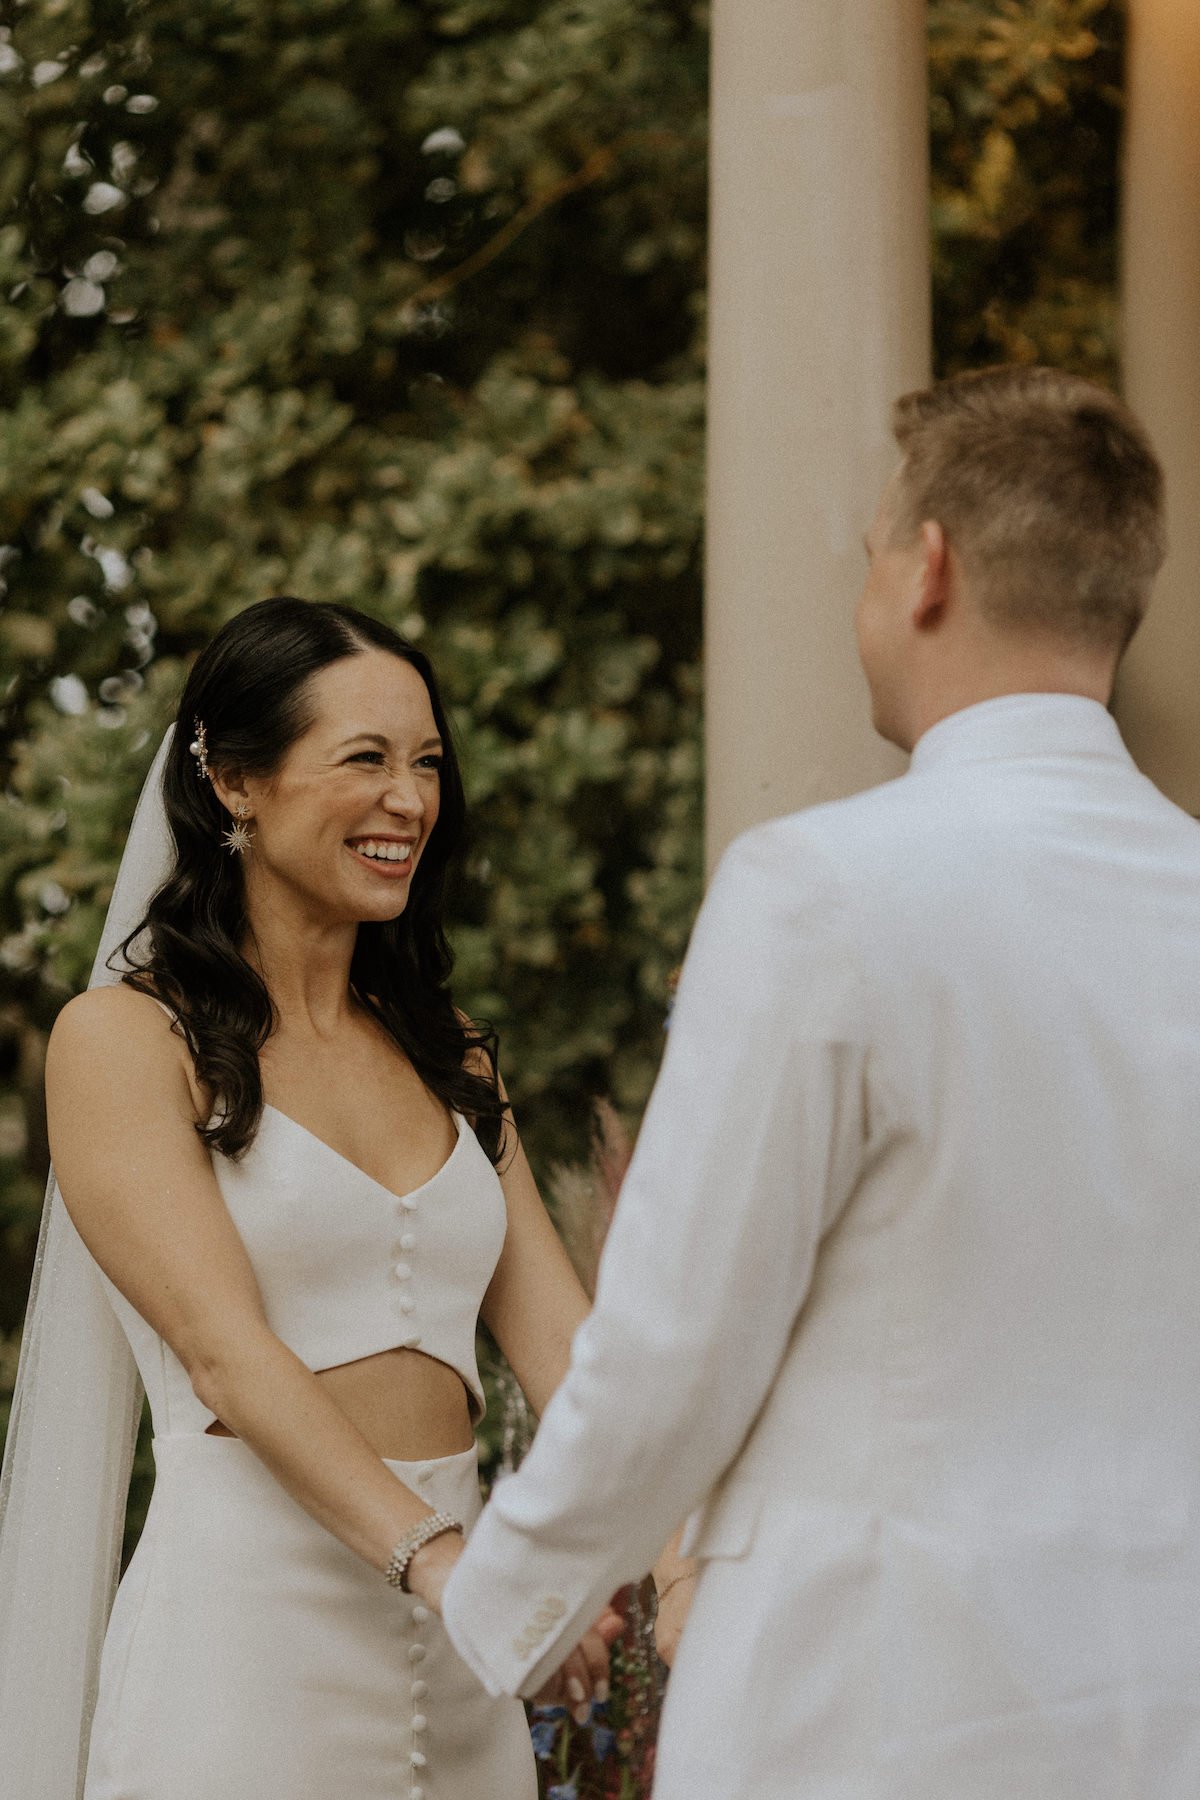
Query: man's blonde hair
(1047, 489)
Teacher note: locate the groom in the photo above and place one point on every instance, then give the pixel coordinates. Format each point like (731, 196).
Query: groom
(902, 1299)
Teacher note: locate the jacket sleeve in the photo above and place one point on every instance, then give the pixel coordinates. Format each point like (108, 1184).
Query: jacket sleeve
(750, 1146)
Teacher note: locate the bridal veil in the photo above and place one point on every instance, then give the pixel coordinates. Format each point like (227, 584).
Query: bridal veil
(70, 1442)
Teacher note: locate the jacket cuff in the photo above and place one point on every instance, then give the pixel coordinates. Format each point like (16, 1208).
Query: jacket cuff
(512, 1611)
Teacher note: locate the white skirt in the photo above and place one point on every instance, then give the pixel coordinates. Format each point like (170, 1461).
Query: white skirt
(251, 1656)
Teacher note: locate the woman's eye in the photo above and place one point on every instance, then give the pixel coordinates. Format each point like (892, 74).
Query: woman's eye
(375, 756)
(431, 762)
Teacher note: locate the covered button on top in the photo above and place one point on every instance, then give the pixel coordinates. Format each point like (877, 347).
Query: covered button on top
(408, 1203)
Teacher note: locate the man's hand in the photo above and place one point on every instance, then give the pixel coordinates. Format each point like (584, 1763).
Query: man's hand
(583, 1677)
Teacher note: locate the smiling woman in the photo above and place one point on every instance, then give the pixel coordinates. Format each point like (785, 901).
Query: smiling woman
(325, 730)
(292, 1161)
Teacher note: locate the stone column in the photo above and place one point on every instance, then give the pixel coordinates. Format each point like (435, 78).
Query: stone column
(1158, 697)
(820, 317)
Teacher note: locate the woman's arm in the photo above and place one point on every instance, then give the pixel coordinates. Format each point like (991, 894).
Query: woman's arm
(535, 1301)
(137, 1181)
(533, 1308)
(534, 1304)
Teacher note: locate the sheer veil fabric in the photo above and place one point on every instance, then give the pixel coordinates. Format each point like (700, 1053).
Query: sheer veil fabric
(70, 1443)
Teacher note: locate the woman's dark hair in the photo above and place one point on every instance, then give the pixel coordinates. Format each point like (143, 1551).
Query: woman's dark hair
(250, 688)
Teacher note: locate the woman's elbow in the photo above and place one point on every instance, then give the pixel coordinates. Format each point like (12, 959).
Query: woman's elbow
(223, 1365)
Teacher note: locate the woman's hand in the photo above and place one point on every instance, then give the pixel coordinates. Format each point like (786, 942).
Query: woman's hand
(673, 1609)
(429, 1568)
(583, 1677)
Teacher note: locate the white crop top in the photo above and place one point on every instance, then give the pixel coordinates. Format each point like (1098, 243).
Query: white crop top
(346, 1268)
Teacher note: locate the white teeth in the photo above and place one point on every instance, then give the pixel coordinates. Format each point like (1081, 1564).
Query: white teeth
(382, 851)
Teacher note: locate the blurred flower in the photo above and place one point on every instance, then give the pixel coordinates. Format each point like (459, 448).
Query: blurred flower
(101, 197)
(584, 1197)
(99, 268)
(98, 504)
(69, 695)
(113, 566)
(543, 1729)
(82, 299)
(445, 139)
(604, 1741)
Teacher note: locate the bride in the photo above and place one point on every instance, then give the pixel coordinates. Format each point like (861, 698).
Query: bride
(292, 1160)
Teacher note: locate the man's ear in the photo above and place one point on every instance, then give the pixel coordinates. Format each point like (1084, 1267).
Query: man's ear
(932, 585)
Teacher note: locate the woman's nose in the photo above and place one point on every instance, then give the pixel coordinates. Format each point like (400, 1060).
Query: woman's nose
(403, 797)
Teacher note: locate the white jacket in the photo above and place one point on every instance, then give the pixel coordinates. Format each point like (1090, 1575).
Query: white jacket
(903, 1293)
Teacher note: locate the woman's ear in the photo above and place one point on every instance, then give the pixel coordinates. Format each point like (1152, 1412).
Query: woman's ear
(230, 788)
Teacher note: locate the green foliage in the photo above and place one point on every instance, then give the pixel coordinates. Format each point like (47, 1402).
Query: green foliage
(1026, 98)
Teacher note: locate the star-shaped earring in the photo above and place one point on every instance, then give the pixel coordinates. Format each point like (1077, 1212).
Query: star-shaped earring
(239, 837)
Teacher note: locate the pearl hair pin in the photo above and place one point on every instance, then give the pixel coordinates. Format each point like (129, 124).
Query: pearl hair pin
(199, 749)
(238, 838)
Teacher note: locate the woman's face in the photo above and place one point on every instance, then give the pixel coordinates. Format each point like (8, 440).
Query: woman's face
(345, 819)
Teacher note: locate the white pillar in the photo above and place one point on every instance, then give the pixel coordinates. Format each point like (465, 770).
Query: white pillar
(1158, 698)
(820, 318)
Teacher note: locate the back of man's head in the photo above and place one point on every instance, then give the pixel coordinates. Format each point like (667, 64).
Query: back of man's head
(1049, 494)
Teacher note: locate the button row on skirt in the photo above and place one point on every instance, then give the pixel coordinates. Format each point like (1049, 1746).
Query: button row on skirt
(419, 1722)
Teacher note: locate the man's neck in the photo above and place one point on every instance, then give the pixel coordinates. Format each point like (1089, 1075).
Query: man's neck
(1068, 673)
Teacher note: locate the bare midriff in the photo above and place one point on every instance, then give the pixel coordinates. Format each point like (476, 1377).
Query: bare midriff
(408, 1406)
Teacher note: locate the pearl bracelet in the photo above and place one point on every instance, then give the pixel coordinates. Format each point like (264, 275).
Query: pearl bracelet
(436, 1525)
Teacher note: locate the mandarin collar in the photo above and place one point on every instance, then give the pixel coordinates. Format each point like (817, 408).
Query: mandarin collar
(1020, 725)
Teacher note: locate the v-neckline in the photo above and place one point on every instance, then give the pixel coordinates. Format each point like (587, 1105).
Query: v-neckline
(459, 1125)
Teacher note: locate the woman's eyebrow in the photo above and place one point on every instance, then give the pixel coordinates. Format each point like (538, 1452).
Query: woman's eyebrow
(375, 737)
(364, 737)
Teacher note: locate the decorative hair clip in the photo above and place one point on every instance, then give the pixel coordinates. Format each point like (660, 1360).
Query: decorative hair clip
(199, 749)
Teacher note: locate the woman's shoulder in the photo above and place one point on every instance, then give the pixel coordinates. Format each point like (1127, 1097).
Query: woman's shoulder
(116, 1034)
(114, 1008)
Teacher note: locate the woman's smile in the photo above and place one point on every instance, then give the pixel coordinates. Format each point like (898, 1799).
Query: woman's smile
(391, 857)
